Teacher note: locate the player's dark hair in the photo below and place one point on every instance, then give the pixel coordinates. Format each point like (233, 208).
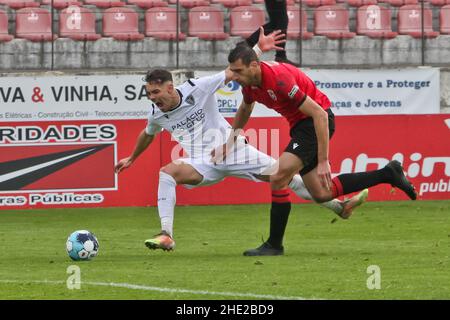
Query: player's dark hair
(243, 52)
(158, 76)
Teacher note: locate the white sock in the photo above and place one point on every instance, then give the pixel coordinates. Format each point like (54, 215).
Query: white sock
(166, 201)
(298, 186)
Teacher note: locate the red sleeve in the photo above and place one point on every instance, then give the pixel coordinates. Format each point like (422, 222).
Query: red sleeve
(291, 90)
(247, 95)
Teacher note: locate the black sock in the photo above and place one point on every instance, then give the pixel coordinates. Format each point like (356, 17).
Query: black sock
(352, 182)
(279, 214)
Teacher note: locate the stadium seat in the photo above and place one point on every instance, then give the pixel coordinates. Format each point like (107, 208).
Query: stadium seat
(410, 21)
(146, 4)
(439, 2)
(359, 3)
(245, 20)
(233, 3)
(191, 3)
(4, 35)
(318, 3)
(375, 22)
(444, 18)
(18, 4)
(78, 23)
(207, 23)
(399, 3)
(295, 31)
(121, 24)
(161, 23)
(105, 3)
(332, 22)
(288, 2)
(34, 24)
(61, 4)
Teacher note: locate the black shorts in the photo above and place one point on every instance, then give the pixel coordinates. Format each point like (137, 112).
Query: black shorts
(304, 141)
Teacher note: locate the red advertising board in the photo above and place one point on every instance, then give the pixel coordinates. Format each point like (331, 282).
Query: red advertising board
(420, 142)
(57, 164)
(360, 143)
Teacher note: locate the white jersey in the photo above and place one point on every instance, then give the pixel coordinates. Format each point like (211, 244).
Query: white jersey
(196, 123)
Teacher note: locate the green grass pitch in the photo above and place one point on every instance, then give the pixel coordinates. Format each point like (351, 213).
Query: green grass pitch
(408, 241)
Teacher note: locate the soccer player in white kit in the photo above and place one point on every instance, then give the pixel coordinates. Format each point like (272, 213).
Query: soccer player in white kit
(190, 113)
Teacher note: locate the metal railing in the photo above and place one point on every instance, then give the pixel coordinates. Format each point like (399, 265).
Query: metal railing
(51, 37)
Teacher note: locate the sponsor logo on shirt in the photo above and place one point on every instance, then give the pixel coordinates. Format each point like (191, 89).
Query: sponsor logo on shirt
(190, 121)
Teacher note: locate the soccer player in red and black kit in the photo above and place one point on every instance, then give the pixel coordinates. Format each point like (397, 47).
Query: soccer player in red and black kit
(291, 93)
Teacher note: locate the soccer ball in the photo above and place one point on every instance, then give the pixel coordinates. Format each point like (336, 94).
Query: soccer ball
(82, 245)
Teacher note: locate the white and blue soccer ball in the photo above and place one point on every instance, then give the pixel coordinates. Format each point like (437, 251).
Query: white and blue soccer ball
(82, 245)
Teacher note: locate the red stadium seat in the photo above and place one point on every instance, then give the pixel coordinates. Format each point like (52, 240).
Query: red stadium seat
(146, 4)
(61, 4)
(375, 22)
(444, 18)
(78, 23)
(4, 35)
(288, 2)
(34, 24)
(245, 20)
(105, 3)
(439, 2)
(207, 23)
(121, 24)
(295, 31)
(233, 3)
(318, 3)
(191, 3)
(410, 21)
(359, 3)
(399, 3)
(332, 22)
(16, 4)
(161, 23)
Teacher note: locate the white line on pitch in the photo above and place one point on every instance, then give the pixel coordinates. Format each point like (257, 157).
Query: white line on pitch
(170, 290)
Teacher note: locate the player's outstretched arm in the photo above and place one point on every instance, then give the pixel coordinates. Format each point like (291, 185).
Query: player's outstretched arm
(242, 115)
(270, 41)
(143, 141)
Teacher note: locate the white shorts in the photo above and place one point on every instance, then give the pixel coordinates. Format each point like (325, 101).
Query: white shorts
(245, 162)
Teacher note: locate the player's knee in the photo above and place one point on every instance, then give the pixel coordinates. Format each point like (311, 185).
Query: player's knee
(166, 170)
(279, 181)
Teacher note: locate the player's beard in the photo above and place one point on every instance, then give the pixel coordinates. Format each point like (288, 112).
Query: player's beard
(254, 80)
